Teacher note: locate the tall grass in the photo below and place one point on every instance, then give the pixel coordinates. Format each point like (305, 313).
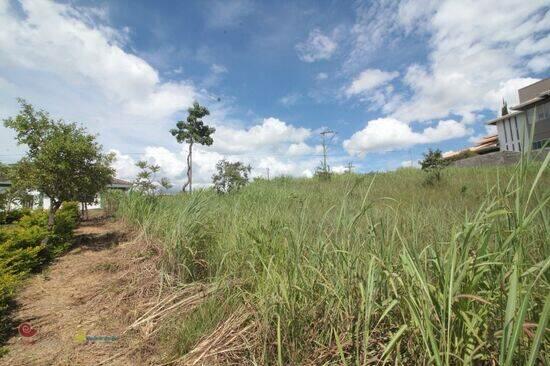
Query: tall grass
(366, 269)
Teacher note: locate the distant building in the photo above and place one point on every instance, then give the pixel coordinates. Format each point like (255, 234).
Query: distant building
(43, 201)
(485, 145)
(514, 129)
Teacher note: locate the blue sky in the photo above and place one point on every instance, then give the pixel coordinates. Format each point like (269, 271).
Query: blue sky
(392, 78)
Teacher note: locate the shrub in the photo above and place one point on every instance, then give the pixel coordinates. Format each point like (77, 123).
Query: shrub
(110, 200)
(66, 220)
(26, 246)
(433, 164)
(11, 216)
(230, 176)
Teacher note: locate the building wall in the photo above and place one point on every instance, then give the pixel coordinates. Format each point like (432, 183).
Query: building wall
(511, 133)
(533, 90)
(542, 125)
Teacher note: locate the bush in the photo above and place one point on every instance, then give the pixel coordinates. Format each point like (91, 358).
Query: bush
(27, 245)
(66, 220)
(8, 217)
(110, 200)
(433, 164)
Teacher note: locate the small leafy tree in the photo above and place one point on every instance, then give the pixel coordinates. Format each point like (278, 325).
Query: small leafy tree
(193, 131)
(63, 161)
(145, 181)
(433, 164)
(230, 176)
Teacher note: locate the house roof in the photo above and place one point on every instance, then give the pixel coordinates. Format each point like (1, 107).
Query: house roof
(121, 182)
(116, 182)
(495, 120)
(485, 144)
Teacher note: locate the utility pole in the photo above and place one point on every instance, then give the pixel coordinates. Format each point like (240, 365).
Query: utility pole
(324, 144)
(350, 167)
(267, 173)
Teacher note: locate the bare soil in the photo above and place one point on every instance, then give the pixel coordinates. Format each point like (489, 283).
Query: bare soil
(96, 289)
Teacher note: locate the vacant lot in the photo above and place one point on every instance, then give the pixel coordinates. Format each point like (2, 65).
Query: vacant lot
(359, 269)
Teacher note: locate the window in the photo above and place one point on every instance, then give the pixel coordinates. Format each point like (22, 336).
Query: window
(540, 144)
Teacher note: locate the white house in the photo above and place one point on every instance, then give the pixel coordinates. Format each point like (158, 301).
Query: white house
(44, 201)
(514, 129)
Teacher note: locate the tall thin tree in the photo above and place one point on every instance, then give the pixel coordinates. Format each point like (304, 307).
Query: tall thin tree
(192, 131)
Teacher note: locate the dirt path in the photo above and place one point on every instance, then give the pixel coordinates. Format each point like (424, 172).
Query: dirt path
(84, 293)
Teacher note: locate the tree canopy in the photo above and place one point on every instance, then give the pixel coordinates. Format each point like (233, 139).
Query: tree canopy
(192, 131)
(63, 161)
(230, 176)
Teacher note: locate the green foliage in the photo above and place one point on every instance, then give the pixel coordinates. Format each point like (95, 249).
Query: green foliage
(230, 177)
(145, 181)
(369, 268)
(433, 164)
(66, 220)
(28, 244)
(63, 161)
(110, 200)
(8, 217)
(192, 131)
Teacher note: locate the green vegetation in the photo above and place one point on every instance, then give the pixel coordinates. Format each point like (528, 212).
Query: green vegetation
(193, 131)
(26, 245)
(365, 269)
(63, 161)
(230, 177)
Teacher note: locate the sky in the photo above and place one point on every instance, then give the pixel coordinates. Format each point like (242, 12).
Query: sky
(392, 79)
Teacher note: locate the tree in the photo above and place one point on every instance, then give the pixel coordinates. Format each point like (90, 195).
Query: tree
(230, 176)
(145, 180)
(193, 131)
(433, 164)
(63, 161)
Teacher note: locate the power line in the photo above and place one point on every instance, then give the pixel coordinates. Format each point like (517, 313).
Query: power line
(324, 134)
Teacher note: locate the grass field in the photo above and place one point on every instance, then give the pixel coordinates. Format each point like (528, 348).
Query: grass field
(362, 269)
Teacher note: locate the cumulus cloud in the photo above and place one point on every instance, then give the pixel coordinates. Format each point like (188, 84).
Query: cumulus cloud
(77, 67)
(369, 80)
(55, 38)
(318, 46)
(270, 135)
(469, 56)
(388, 134)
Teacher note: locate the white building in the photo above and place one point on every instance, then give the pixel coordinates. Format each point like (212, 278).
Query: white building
(43, 201)
(515, 128)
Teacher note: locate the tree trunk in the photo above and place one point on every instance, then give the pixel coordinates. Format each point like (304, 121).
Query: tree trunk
(189, 169)
(54, 206)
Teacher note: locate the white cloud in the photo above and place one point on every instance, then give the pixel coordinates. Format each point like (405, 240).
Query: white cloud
(388, 134)
(369, 80)
(470, 53)
(271, 135)
(318, 46)
(539, 63)
(410, 164)
(290, 99)
(55, 38)
(321, 76)
(218, 69)
(300, 149)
